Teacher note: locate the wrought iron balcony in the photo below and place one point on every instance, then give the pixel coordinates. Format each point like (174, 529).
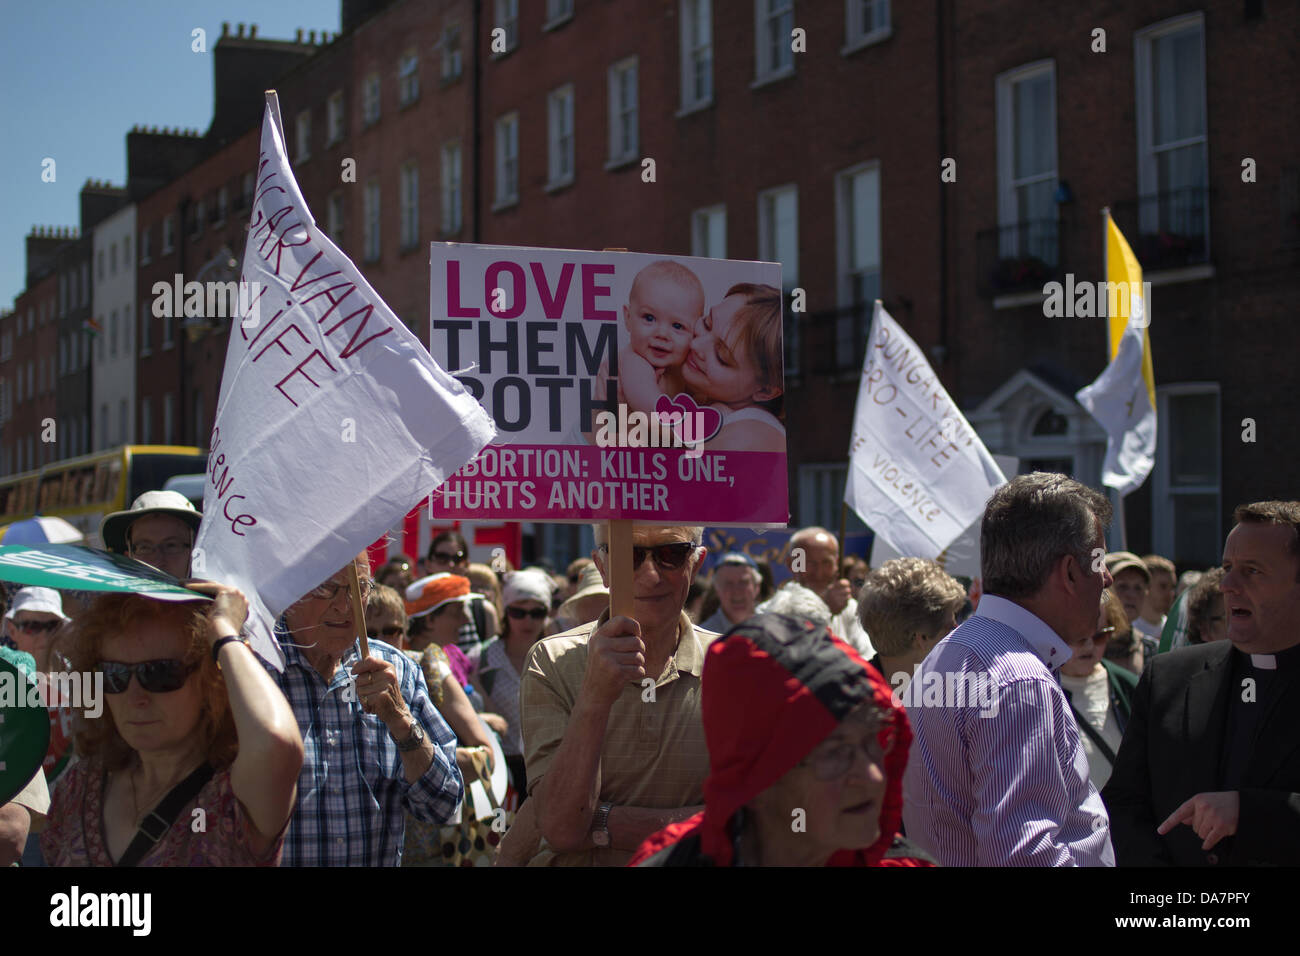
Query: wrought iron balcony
(1021, 257)
(1169, 230)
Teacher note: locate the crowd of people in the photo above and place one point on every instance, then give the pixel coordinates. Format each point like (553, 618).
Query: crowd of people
(720, 723)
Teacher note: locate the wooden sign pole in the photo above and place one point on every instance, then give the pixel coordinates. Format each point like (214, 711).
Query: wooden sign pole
(618, 533)
(358, 607)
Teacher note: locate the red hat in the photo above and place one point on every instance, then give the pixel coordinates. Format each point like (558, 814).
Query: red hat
(773, 689)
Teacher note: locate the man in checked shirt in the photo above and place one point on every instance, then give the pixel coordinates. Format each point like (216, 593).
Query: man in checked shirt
(374, 744)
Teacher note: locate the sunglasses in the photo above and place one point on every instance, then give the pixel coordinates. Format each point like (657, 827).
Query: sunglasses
(1099, 638)
(387, 632)
(671, 557)
(448, 557)
(519, 613)
(157, 677)
(37, 627)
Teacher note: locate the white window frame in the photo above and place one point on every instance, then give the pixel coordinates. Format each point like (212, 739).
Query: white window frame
(452, 56)
(621, 151)
(451, 196)
(168, 332)
(557, 13)
(767, 252)
(112, 334)
(856, 32)
(371, 97)
(372, 220)
(1147, 169)
(701, 220)
(1162, 491)
(223, 205)
(146, 254)
(844, 230)
(694, 51)
(200, 211)
(409, 201)
(558, 149)
(146, 331)
(767, 244)
(507, 17)
(820, 494)
(1010, 241)
(334, 215)
(766, 71)
(507, 185)
(169, 233)
(334, 126)
(302, 136)
(408, 77)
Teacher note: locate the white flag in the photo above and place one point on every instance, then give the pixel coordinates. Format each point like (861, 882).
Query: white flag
(918, 473)
(1120, 401)
(333, 421)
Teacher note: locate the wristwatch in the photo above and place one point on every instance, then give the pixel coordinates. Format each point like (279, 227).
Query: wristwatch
(600, 825)
(413, 741)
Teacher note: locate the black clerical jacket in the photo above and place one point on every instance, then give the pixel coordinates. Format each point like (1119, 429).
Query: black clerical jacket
(1172, 750)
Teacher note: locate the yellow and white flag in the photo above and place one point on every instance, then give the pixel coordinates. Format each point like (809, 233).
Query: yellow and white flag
(1123, 398)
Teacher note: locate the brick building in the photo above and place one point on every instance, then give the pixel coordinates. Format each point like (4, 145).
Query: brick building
(29, 337)
(530, 124)
(1156, 127)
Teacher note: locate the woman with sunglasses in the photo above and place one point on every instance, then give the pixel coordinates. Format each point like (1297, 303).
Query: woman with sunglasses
(527, 597)
(189, 710)
(1100, 691)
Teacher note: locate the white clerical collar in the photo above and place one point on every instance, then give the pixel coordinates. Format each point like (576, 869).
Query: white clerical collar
(1264, 662)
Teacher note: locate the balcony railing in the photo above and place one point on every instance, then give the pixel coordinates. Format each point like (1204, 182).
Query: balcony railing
(1169, 230)
(1021, 257)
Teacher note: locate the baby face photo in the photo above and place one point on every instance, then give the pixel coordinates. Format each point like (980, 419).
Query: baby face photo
(692, 334)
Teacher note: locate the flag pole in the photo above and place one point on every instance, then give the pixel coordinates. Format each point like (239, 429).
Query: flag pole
(844, 514)
(1119, 532)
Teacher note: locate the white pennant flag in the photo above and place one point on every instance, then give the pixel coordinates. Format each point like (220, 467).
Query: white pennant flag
(333, 421)
(918, 473)
(1120, 401)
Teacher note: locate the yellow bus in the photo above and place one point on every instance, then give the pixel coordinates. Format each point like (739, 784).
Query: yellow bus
(83, 490)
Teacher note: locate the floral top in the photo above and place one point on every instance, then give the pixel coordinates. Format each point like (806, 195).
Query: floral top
(74, 835)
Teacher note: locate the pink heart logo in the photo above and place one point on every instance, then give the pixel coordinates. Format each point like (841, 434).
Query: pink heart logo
(691, 423)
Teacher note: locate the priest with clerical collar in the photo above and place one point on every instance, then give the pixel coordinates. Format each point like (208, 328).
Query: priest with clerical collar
(1209, 770)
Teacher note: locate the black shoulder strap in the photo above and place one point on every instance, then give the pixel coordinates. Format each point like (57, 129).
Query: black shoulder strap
(1095, 737)
(155, 826)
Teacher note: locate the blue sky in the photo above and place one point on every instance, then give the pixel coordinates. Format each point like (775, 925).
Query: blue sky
(76, 75)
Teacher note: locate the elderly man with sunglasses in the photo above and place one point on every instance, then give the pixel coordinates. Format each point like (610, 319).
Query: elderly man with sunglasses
(375, 746)
(610, 712)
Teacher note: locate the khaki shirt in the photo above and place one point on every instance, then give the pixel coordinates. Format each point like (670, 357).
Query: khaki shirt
(654, 754)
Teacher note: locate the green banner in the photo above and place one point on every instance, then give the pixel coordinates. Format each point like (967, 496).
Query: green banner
(24, 730)
(1174, 634)
(71, 567)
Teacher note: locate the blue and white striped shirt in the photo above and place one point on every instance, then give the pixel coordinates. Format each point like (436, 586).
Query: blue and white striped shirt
(352, 792)
(1009, 788)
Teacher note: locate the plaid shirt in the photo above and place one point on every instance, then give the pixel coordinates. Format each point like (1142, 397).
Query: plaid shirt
(352, 791)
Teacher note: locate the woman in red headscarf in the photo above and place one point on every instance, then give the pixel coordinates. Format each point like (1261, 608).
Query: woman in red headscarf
(806, 754)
